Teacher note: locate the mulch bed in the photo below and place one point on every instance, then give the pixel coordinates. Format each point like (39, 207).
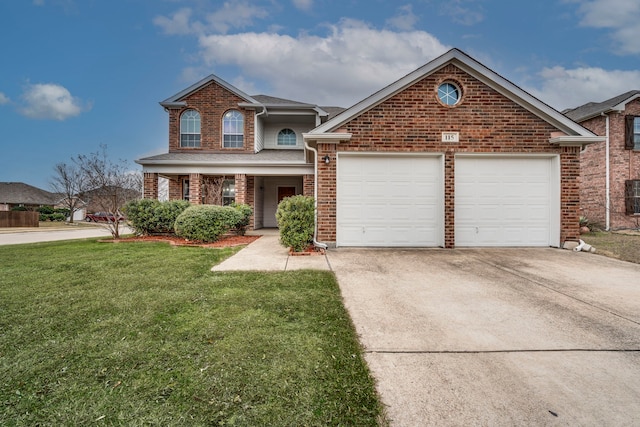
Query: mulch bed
(224, 242)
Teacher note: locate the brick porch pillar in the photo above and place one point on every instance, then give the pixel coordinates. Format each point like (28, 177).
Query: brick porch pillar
(195, 189)
(150, 186)
(241, 188)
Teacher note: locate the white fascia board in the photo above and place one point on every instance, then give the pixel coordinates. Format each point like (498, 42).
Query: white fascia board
(326, 138)
(259, 170)
(621, 106)
(575, 140)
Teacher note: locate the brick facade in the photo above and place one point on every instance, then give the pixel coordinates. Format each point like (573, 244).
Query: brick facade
(413, 121)
(212, 102)
(623, 165)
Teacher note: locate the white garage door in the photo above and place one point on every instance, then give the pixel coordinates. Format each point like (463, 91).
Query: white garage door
(507, 201)
(386, 200)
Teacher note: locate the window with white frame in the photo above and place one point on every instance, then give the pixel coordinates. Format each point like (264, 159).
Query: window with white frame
(228, 192)
(233, 129)
(190, 129)
(287, 138)
(185, 189)
(636, 133)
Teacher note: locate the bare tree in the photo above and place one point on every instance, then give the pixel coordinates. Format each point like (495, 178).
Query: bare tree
(212, 190)
(68, 181)
(109, 185)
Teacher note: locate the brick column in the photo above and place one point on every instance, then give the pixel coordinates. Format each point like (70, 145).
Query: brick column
(241, 188)
(195, 189)
(175, 189)
(307, 185)
(449, 200)
(150, 186)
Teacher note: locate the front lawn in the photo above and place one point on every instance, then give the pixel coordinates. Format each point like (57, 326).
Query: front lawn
(145, 334)
(615, 244)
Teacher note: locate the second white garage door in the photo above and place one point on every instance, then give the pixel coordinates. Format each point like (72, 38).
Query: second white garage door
(390, 200)
(507, 201)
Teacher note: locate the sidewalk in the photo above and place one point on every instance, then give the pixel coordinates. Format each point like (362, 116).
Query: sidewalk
(266, 254)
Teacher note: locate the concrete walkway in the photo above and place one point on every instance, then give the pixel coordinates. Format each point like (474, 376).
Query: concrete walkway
(18, 236)
(267, 254)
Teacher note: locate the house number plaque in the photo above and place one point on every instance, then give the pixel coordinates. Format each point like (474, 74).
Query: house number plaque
(450, 136)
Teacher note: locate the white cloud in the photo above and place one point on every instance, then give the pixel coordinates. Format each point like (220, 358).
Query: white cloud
(569, 88)
(619, 16)
(352, 61)
(178, 23)
(50, 101)
(232, 14)
(305, 5)
(462, 12)
(404, 20)
(4, 99)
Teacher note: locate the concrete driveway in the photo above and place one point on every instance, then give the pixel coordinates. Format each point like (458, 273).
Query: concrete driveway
(497, 336)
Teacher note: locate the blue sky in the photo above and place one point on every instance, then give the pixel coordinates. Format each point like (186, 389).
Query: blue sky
(77, 74)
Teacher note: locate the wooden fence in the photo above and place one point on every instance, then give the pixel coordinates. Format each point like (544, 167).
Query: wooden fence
(19, 219)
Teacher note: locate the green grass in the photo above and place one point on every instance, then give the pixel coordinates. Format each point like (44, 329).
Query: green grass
(145, 334)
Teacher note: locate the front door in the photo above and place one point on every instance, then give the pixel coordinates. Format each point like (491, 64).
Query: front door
(285, 192)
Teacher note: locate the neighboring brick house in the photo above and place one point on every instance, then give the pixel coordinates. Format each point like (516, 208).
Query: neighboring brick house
(610, 171)
(19, 194)
(450, 155)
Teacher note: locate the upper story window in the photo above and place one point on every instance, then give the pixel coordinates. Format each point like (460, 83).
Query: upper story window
(632, 133)
(233, 129)
(190, 129)
(287, 137)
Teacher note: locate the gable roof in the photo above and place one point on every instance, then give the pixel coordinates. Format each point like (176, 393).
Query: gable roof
(21, 193)
(176, 101)
(473, 68)
(592, 109)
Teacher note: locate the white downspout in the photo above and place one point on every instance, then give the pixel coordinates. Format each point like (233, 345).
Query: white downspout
(315, 196)
(607, 208)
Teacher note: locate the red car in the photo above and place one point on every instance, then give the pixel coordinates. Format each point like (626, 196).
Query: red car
(103, 217)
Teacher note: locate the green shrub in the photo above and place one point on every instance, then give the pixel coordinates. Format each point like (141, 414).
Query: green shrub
(47, 210)
(295, 216)
(206, 223)
(246, 212)
(58, 217)
(149, 216)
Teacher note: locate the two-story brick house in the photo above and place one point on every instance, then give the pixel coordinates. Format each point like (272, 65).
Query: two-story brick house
(610, 172)
(450, 155)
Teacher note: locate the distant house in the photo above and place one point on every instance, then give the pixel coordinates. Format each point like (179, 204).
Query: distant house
(610, 170)
(19, 194)
(451, 155)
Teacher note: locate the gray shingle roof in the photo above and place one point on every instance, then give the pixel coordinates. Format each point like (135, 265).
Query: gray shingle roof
(592, 109)
(21, 193)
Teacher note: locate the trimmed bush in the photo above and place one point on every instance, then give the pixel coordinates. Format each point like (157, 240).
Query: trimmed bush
(149, 216)
(295, 216)
(206, 223)
(246, 211)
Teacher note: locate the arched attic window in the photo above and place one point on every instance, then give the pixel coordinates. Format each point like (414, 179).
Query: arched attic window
(287, 137)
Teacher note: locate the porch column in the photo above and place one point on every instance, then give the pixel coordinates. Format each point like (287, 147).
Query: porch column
(241, 188)
(307, 185)
(150, 186)
(175, 189)
(195, 189)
